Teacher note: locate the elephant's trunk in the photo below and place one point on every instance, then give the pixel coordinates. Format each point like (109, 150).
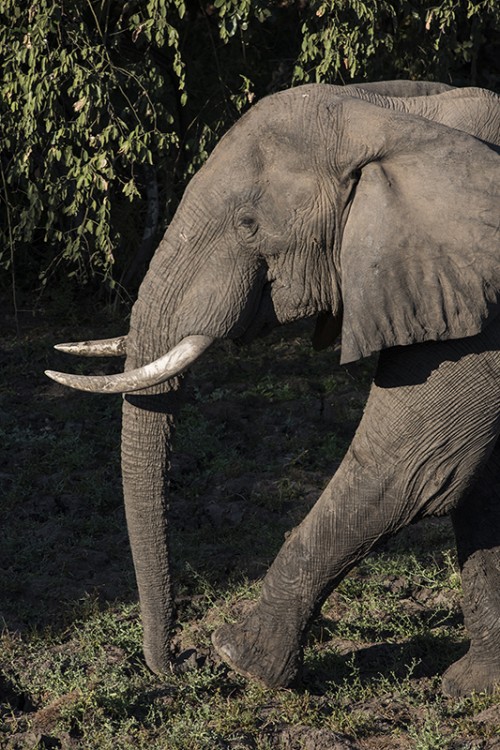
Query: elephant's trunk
(148, 423)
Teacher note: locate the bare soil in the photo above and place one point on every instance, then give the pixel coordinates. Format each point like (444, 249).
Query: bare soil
(262, 433)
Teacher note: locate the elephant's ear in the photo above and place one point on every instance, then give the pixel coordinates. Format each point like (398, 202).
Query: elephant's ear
(420, 250)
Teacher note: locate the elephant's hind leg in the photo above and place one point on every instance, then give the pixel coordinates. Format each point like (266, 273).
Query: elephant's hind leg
(477, 530)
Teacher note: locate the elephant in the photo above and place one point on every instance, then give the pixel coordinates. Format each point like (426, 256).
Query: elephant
(373, 209)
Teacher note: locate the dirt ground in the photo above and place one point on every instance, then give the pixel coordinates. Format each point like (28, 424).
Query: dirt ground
(262, 432)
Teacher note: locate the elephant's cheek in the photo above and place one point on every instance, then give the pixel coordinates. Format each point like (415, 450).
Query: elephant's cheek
(225, 304)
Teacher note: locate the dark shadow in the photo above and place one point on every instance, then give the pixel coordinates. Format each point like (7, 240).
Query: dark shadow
(422, 656)
(410, 365)
(14, 699)
(64, 545)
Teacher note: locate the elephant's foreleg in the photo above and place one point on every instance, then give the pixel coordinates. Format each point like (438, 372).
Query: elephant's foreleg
(477, 530)
(429, 426)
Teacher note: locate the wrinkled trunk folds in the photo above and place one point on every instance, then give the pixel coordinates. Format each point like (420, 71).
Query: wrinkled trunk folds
(148, 423)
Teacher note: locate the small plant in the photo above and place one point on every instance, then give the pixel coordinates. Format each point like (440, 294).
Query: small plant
(430, 736)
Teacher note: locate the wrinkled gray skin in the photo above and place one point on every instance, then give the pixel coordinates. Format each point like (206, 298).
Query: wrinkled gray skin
(344, 204)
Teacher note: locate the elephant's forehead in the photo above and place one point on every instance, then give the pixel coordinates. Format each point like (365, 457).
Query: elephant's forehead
(240, 151)
(253, 148)
(264, 148)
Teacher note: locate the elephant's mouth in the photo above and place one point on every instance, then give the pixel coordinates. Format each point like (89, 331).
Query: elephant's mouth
(263, 321)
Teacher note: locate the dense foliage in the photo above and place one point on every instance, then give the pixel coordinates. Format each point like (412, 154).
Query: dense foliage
(108, 107)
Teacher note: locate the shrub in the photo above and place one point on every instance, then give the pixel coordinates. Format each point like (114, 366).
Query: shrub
(108, 107)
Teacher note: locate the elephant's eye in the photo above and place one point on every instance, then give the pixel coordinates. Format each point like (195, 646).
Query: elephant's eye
(248, 224)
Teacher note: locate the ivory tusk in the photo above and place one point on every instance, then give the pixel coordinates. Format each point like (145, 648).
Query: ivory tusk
(116, 347)
(178, 359)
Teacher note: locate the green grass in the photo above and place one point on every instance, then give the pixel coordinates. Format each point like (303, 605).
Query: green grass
(259, 437)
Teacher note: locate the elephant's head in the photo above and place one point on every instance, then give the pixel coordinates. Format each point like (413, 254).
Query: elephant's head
(313, 204)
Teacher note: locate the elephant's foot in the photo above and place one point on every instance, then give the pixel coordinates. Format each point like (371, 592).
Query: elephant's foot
(261, 653)
(469, 675)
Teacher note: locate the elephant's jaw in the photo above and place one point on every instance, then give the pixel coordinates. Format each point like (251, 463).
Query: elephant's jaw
(327, 330)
